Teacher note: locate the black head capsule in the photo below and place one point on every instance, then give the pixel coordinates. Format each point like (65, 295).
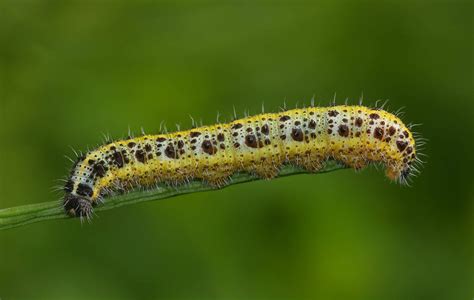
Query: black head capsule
(77, 206)
(77, 202)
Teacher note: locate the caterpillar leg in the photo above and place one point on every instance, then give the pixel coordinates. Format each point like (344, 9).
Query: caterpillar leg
(217, 182)
(311, 165)
(394, 171)
(267, 171)
(309, 161)
(357, 163)
(216, 179)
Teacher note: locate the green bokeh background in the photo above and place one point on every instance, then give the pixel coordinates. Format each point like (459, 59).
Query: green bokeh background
(70, 72)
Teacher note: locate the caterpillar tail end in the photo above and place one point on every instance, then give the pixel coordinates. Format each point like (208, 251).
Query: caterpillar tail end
(398, 175)
(77, 206)
(392, 174)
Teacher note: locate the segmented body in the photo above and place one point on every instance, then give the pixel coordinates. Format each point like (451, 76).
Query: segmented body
(354, 135)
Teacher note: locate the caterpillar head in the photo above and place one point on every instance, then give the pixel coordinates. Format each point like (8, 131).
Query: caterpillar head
(77, 206)
(77, 200)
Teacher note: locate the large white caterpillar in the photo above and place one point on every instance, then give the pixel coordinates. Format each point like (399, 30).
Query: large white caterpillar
(354, 135)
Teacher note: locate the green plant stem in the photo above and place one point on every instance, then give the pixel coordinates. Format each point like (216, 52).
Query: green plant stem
(26, 214)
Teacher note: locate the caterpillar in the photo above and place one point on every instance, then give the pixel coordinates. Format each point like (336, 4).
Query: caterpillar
(352, 134)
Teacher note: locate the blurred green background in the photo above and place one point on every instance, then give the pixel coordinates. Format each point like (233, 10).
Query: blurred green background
(71, 72)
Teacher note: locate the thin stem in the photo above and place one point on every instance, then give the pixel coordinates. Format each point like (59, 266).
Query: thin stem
(26, 214)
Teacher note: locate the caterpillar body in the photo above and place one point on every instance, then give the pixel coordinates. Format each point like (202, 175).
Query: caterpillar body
(261, 144)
